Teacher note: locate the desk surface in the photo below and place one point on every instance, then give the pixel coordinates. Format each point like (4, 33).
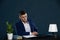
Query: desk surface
(42, 38)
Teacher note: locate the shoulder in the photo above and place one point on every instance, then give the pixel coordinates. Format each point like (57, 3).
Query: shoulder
(19, 22)
(30, 20)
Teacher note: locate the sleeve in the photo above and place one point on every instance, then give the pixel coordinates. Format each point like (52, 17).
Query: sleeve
(20, 32)
(34, 26)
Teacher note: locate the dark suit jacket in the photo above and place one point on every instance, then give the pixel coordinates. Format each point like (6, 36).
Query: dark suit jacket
(21, 30)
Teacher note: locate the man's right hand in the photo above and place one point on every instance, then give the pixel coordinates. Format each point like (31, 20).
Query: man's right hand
(35, 33)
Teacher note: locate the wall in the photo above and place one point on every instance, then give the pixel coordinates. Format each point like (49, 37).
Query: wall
(43, 12)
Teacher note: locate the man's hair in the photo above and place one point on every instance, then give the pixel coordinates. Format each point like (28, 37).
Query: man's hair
(22, 12)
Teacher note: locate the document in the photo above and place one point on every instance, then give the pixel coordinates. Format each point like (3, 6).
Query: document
(29, 36)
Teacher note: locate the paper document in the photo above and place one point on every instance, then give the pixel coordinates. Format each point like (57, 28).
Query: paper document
(29, 36)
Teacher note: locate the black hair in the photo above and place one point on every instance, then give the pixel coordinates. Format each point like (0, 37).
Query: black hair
(22, 12)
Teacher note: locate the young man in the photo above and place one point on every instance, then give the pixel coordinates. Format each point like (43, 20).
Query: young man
(25, 26)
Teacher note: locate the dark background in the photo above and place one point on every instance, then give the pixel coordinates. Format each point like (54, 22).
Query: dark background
(42, 12)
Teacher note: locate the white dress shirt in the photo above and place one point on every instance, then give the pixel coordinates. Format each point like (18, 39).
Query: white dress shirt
(27, 27)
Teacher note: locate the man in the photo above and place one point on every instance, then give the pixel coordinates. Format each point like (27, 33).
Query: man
(25, 26)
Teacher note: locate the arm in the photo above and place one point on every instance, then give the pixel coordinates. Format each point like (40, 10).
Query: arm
(34, 28)
(20, 30)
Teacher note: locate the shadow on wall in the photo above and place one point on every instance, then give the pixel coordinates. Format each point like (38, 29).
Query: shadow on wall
(58, 2)
(2, 1)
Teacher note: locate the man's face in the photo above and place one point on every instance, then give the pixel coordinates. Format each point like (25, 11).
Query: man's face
(23, 17)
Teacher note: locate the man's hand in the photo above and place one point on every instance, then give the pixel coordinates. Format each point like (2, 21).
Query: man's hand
(35, 33)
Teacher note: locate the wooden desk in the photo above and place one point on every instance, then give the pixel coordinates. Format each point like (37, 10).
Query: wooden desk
(45, 37)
